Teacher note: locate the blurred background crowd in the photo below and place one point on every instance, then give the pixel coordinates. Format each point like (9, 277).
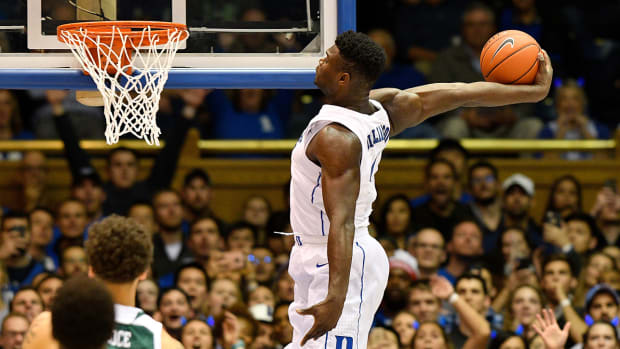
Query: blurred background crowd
(469, 226)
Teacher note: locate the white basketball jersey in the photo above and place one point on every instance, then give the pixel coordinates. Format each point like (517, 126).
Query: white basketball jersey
(308, 216)
(134, 329)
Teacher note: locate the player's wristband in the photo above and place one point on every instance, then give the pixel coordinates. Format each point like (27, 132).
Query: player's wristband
(565, 303)
(453, 298)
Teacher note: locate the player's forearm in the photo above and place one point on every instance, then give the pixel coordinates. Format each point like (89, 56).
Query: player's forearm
(339, 255)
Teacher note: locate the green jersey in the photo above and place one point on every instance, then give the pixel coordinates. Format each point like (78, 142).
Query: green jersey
(134, 329)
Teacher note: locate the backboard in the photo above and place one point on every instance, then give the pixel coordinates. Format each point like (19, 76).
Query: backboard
(232, 44)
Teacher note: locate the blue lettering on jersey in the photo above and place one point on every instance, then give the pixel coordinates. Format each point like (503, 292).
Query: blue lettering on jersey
(348, 342)
(379, 134)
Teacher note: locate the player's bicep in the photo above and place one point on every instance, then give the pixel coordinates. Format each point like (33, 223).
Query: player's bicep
(168, 342)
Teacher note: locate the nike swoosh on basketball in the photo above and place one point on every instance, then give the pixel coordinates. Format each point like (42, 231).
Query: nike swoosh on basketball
(321, 265)
(506, 41)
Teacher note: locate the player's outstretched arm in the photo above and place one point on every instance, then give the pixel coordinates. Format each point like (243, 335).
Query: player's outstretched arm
(407, 108)
(338, 151)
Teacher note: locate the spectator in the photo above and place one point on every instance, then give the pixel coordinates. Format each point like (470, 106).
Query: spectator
(396, 219)
(463, 249)
(525, 302)
(170, 251)
(222, 295)
(611, 277)
(241, 237)
(192, 278)
(601, 335)
(523, 16)
(73, 261)
(442, 211)
(518, 199)
(505, 340)
(596, 265)
(582, 233)
(14, 328)
(48, 288)
(256, 211)
(11, 123)
(383, 338)
(88, 189)
(462, 62)
(565, 196)
(264, 265)
(21, 267)
(606, 211)
(147, 294)
(265, 330)
(284, 286)
(175, 308)
(486, 206)
(395, 75)
(41, 231)
(261, 115)
(402, 274)
(572, 121)
(601, 303)
(283, 330)
(428, 248)
(197, 195)
(71, 219)
(197, 334)
(473, 290)
(27, 302)
(496, 122)
(89, 123)
(204, 236)
(262, 295)
(452, 151)
(516, 250)
(33, 182)
(422, 303)
(124, 188)
(404, 324)
(143, 213)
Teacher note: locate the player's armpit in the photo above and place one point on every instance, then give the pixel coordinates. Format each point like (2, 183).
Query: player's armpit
(404, 108)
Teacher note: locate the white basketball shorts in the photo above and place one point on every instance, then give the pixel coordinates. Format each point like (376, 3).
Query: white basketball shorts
(309, 268)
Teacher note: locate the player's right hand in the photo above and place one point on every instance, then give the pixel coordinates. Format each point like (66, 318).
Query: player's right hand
(326, 315)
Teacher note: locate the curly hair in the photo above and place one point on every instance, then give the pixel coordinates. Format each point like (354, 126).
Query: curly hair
(119, 249)
(82, 314)
(361, 55)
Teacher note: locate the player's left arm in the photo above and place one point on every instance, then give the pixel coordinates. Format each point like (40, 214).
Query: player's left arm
(408, 108)
(338, 151)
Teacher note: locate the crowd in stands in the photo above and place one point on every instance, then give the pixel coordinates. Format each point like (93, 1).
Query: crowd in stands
(469, 232)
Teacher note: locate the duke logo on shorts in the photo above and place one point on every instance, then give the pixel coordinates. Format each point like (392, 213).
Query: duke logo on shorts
(134, 329)
(308, 263)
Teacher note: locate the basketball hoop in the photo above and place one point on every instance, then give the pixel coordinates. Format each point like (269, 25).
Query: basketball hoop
(129, 62)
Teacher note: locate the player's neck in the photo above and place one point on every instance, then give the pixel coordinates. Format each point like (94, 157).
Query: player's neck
(356, 102)
(123, 294)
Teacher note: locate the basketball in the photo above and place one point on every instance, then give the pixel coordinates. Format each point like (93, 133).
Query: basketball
(510, 57)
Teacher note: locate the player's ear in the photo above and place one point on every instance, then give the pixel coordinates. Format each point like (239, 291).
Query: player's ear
(344, 79)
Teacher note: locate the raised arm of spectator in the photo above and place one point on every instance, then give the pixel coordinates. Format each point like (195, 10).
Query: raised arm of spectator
(76, 156)
(481, 330)
(168, 158)
(578, 327)
(548, 329)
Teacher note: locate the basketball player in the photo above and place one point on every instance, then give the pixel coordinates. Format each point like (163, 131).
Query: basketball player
(341, 272)
(119, 252)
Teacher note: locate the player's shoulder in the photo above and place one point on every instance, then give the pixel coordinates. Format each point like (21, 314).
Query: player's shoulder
(167, 342)
(40, 333)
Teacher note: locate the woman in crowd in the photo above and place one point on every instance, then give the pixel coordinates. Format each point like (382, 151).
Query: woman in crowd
(525, 302)
(396, 219)
(565, 196)
(598, 263)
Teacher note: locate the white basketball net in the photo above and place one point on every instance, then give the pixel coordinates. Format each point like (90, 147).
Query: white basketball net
(131, 101)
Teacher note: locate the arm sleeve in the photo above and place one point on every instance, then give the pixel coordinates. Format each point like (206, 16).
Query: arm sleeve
(76, 156)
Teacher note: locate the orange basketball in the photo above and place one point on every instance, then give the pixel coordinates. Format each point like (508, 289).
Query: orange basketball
(510, 57)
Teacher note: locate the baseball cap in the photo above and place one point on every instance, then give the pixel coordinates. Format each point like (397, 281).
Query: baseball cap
(262, 312)
(87, 173)
(521, 180)
(598, 289)
(403, 260)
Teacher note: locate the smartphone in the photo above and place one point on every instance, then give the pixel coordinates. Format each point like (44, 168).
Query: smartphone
(611, 184)
(524, 263)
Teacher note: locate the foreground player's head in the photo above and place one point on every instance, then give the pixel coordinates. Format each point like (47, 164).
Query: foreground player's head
(351, 66)
(119, 250)
(82, 314)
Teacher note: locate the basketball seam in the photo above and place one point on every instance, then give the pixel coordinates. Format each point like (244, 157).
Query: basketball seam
(524, 74)
(505, 58)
